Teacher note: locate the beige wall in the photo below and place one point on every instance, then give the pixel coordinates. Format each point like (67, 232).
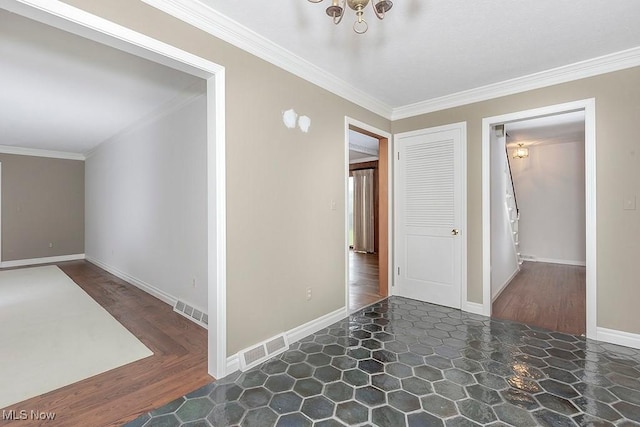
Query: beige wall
(550, 186)
(42, 203)
(282, 235)
(618, 176)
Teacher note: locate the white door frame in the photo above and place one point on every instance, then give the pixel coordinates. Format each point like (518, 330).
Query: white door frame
(348, 121)
(0, 213)
(464, 229)
(589, 107)
(77, 21)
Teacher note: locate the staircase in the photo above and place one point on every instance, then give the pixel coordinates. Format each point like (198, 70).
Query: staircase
(511, 203)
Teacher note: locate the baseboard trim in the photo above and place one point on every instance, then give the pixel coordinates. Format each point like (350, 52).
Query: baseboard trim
(532, 258)
(613, 336)
(295, 334)
(233, 364)
(505, 284)
(473, 307)
(140, 284)
(315, 325)
(45, 260)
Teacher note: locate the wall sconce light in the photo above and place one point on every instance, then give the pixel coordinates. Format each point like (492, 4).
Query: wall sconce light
(521, 152)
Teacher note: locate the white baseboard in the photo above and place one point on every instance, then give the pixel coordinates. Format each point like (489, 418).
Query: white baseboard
(533, 258)
(505, 284)
(315, 325)
(296, 334)
(613, 336)
(45, 260)
(140, 284)
(473, 307)
(233, 364)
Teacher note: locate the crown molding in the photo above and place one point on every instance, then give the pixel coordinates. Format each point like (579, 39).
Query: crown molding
(363, 160)
(213, 22)
(363, 149)
(35, 152)
(592, 67)
(208, 19)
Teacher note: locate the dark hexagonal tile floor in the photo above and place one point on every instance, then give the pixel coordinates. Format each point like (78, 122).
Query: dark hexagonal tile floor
(405, 363)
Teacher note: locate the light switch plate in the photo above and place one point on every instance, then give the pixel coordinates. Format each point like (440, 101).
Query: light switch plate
(630, 203)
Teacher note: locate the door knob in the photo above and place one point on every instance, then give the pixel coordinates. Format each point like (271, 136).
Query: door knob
(455, 231)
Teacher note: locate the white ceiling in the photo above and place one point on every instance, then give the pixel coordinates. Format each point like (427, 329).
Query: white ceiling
(425, 49)
(61, 92)
(556, 129)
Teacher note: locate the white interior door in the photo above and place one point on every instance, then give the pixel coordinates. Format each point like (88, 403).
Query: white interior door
(430, 214)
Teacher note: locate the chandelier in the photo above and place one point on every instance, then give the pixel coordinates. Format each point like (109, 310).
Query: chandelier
(336, 11)
(521, 152)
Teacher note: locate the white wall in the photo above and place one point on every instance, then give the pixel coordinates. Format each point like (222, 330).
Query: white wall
(504, 262)
(146, 204)
(550, 187)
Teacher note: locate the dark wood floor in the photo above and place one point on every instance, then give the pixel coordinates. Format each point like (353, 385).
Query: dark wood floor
(177, 367)
(551, 296)
(363, 280)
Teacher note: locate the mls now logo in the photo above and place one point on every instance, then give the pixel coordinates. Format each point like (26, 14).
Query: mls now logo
(15, 415)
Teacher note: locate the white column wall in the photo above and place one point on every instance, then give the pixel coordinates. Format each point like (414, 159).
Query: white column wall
(146, 204)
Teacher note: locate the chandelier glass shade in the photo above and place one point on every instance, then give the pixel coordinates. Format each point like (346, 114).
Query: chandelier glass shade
(521, 152)
(337, 9)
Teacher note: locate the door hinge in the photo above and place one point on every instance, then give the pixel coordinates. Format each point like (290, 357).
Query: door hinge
(398, 271)
(398, 155)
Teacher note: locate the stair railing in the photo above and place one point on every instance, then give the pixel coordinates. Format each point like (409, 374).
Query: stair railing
(513, 187)
(513, 210)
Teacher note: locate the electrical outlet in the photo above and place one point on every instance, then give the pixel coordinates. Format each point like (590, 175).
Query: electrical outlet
(193, 282)
(309, 294)
(630, 203)
(50, 244)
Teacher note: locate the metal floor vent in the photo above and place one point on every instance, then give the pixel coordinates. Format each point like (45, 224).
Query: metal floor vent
(191, 313)
(263, 351)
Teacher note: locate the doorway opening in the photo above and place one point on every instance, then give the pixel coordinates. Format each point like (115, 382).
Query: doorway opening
(367, 231)
(539, 217)
(84, 24)
(538, 222)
